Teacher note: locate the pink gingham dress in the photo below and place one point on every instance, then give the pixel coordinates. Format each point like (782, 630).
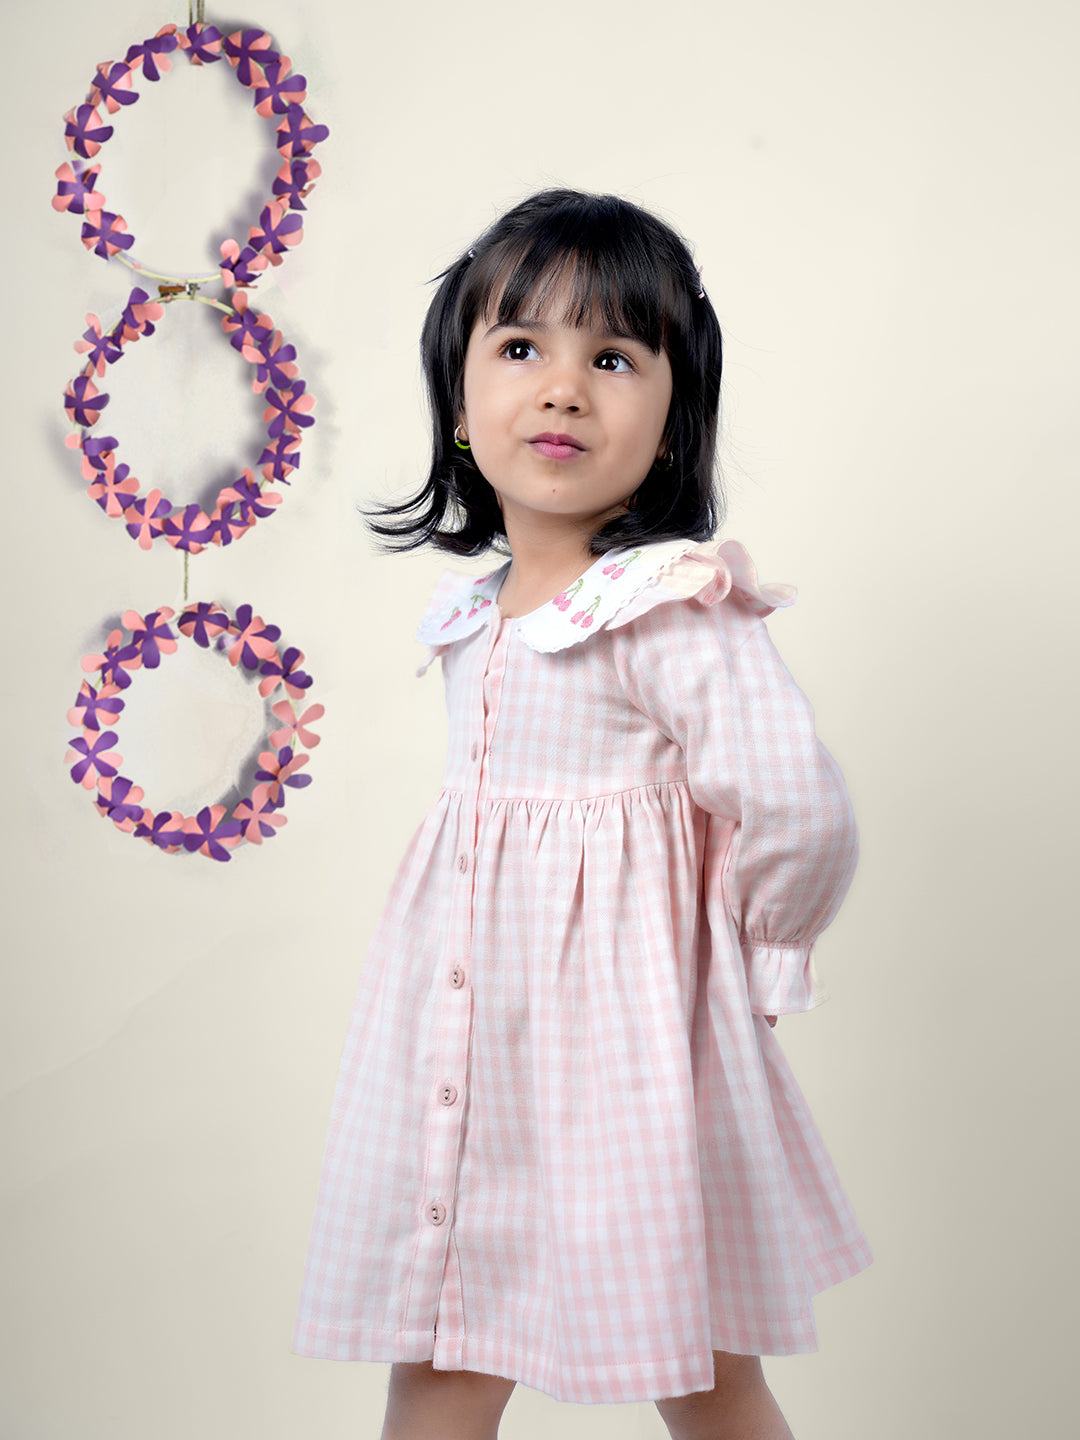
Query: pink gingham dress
(565, 1145)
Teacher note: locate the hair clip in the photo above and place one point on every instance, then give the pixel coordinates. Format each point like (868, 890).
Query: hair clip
(472, 255)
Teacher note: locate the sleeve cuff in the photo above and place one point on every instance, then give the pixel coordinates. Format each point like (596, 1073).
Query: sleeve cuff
(782, 979)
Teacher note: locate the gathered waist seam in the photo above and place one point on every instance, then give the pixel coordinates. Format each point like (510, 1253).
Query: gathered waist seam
(681, 783)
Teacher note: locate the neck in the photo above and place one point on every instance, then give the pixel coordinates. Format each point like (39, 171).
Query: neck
(545, 559)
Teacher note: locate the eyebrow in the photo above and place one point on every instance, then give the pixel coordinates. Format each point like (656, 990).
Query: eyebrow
(529, 322)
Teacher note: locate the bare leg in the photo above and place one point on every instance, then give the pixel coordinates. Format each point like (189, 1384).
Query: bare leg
(740, 1405)
(428, 1404)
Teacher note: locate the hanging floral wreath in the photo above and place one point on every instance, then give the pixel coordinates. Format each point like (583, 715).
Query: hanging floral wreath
(278, 95)
(249, 643)
(150, 516)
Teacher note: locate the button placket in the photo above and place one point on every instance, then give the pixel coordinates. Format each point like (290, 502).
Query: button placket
(439, 1196)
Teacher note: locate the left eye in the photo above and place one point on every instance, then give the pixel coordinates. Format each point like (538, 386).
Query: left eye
(613, 361)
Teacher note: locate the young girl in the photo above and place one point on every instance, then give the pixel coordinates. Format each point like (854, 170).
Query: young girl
(565, 1146)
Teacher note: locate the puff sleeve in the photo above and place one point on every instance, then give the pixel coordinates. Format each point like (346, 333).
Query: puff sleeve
(709, 676)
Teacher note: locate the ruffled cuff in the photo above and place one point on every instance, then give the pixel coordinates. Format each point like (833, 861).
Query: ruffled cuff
(782, 979)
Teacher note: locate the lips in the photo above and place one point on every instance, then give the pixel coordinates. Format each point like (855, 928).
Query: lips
(557, 447)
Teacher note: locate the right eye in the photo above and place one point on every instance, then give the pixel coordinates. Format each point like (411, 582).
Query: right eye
(517, 349)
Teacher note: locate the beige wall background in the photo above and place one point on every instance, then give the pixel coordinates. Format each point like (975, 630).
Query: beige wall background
(883, 199)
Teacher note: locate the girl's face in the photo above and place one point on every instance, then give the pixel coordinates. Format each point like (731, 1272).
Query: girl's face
(564, 421)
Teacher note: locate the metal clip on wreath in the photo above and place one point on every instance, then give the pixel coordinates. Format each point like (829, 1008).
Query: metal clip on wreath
(149, 517)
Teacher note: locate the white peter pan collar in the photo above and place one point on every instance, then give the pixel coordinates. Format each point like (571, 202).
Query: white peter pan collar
(616, 588)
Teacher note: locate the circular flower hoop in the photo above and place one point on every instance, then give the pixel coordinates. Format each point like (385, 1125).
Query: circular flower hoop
(239, 506)
(249, 643)
(277, 95)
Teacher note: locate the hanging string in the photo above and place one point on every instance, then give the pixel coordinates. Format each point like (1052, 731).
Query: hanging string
(186, 554)
(196, 10)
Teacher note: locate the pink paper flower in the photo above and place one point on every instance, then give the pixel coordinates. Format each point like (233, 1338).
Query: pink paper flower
(247, 51)
(75, 189)
(94, 709)
(146, 518)
(113, 488)
(278, 769)
(93, 759)
(257, 815)
(278, 228)
(150, 638)
(113, 84)
(84, 131)
(100, 349)
(83, 402)
(210, 833)
(106, 233)
(254, 640)
(202, 43)
(279, 89)
(296, 725)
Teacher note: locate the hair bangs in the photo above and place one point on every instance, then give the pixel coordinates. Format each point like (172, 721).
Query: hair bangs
(612, 287)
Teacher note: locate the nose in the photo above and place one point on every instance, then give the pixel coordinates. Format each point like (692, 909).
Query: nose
(563, 386)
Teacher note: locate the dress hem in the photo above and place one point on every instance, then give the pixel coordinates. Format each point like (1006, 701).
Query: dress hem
(612, 1384)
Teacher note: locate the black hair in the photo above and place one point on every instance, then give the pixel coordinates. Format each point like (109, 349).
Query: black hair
(619, 263)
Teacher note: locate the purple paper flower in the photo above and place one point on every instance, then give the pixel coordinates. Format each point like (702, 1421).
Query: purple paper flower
(112, 488)
(254, 641)
(279, 768)
(281, 457)
(209, 832)
(246, 501)
(120, 799)
(84, 132)
(96, 759)
(113, 84)
(82, 401)
(165, 830)
(292, 406)
(75, 188)
(190, 530)
(150, 638)
(106, 233)
(297, 134)
(153, 54)
(139, 313)
(91, 705)
(296, 179)
(276, 367)
(248, 51)
(226, 527)
(247, 330)
(100, 349)
(96, 450)
(279, 89)
(148, 518)
(241, 267)
(278, 228)
(111, 663)
(283, 669)
(203, 622)
(202, 42)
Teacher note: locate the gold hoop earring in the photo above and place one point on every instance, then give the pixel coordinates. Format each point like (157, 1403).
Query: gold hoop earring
(461, 444)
